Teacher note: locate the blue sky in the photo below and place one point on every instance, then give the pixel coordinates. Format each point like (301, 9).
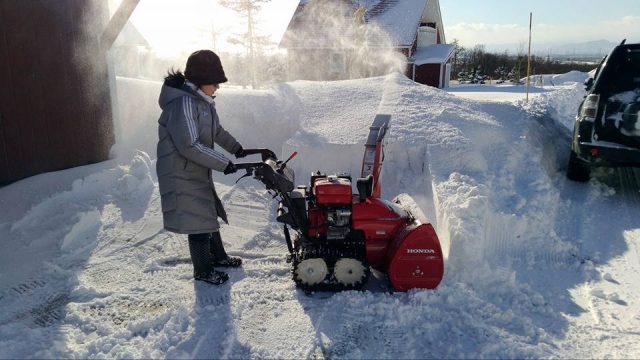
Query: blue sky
(547, 11)
(554, 21)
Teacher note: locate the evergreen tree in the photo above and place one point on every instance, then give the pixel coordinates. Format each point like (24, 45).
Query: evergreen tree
(463, 76)
(502, 73)
(479, 76)
(515, 76)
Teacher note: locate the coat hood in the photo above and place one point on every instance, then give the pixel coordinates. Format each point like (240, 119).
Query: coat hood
(168, 94)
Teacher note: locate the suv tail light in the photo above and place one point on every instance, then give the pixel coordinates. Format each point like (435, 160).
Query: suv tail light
(590, 107)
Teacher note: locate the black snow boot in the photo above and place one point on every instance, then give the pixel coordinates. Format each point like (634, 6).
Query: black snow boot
(202, 261)
(220, 257)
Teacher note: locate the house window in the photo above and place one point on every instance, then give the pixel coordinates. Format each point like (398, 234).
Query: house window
(337, 63)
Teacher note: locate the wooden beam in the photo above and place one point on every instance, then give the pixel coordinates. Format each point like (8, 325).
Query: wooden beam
(117, 22)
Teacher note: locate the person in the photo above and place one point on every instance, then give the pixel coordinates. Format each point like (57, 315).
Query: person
(188, 129)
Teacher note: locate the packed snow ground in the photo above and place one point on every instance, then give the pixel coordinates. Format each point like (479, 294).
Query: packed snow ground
(537, 266)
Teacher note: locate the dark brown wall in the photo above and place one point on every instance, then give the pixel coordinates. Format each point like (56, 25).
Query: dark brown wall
(55, 109)
(428, 74)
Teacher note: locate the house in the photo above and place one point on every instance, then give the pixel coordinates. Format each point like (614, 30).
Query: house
(346, 39)
(130, 51)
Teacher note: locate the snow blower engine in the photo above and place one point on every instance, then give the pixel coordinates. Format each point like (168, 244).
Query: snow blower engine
(340, 235)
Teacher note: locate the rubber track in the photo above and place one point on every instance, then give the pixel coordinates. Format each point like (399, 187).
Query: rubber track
(330, 283)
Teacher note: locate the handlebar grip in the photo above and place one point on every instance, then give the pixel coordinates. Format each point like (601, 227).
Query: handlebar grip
(266, 153)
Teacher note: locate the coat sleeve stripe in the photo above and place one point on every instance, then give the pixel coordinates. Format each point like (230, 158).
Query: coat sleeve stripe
(188, 114)
(212, 152)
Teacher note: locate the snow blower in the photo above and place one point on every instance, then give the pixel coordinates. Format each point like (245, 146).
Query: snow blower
(340, 235)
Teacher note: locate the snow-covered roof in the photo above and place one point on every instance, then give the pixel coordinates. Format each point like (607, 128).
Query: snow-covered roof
(400, 19)
(432, 54)
(318, 24)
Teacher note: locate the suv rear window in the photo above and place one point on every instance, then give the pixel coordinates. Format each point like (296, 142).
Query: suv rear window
(626, 76)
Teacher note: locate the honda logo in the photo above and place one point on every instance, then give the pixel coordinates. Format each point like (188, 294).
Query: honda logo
(421, 251)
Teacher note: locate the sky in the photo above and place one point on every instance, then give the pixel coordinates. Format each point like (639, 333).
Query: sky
(494, 23)
(87, 270)
(553, 21)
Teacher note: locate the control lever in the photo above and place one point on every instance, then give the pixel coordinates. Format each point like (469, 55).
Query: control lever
(284, 164)
(249, 173)
(249, 166)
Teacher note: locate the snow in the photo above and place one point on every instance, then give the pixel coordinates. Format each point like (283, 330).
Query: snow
(400, 20)
(394, 24)
(433, 54)
(537, 266)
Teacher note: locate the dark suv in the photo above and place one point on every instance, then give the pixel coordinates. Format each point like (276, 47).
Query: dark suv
(606, 131)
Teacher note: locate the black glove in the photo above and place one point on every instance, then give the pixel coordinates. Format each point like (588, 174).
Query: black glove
(230, 169)
(240, 153)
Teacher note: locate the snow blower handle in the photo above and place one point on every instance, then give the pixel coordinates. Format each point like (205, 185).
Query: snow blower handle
(250, 167)
(266, 153)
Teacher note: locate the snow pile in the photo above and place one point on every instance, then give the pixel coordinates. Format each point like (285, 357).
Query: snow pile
(530, 271)
(562, 105)
(565, 79)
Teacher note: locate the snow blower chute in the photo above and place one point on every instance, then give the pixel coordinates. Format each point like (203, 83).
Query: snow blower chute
(340, 235)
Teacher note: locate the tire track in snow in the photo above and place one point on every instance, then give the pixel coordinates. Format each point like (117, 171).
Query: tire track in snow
(350, 337)
(36, 302)
(608, 238)
(28, 286)
(125, 285)
(534, 233)
(630, 183)
(509, 241)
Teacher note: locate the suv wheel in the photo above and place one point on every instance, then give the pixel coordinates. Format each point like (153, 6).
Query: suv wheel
(578, 170)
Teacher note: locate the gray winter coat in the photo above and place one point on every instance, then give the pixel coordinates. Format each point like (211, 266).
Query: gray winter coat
(188, 128)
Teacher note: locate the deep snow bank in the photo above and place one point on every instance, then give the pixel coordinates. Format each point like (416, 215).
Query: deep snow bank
(485, 170)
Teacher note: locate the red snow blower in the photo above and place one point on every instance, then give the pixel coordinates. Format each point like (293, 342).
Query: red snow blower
(340, 235)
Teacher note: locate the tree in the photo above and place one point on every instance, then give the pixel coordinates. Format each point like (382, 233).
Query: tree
(506, 67)
(516, 72)
(250, 40)
(478, 76)
(236, 68)
(458, 51)
(463, 76)
(502, 73)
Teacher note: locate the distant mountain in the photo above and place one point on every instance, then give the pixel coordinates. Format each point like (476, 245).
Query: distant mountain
(602, 47)
(597, 47)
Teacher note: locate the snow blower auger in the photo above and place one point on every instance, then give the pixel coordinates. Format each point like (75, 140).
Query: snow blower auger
(339, 235)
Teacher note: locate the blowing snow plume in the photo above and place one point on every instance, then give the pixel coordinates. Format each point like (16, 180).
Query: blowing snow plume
(325, 32)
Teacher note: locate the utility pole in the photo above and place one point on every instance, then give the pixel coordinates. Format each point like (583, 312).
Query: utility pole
(252, 57)
(529, 60)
